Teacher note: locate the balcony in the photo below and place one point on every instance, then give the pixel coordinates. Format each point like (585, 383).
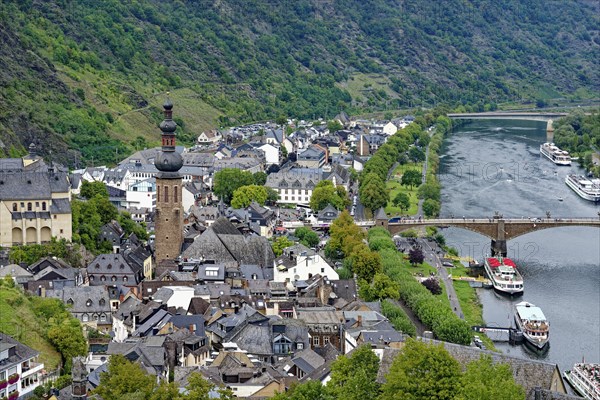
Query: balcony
(31, 369)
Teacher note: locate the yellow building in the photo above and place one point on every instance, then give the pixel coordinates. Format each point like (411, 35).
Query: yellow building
(35, 201)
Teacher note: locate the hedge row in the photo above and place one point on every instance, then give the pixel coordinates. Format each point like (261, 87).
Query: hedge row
(398, 318)
(427, 307)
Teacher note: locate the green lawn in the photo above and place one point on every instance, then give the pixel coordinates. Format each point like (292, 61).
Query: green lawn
(394, 187)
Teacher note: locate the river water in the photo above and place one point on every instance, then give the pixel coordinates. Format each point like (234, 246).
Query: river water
(495, 165)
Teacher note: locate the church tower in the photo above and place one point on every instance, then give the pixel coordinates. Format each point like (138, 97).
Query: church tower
(79, 379)
(169, 211)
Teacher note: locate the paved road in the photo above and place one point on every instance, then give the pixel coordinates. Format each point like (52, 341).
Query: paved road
(430, 250)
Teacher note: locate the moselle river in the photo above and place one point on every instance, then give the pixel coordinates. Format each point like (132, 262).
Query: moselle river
(495, 165)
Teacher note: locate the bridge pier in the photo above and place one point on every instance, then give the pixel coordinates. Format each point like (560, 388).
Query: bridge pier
(499, 243)
(549, 132)
(499, 248)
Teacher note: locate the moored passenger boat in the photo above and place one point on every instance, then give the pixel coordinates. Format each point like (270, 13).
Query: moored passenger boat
(504, 275)
(532, 322)
(585, 379)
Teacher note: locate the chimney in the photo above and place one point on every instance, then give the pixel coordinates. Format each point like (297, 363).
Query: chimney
(191, 328)
(359, 320)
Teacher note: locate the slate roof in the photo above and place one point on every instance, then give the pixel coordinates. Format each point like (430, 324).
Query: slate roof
(307, 360)
(32, 185)
(113, 265)
(19, 353)
(185, 321)
(14, 271)
(295, 178)
(223, 242)
(85, 299)
(381, 214)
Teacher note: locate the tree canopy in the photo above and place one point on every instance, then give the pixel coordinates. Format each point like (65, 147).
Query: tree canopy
(373, 193)
(325, 193)
(244, 195)
(227, 180)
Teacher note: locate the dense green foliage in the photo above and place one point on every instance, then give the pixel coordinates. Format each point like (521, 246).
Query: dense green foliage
(353, 377)
(420, 371)
(307, 236)
(426, 306)
(90, 215)
(279, 244)
(227, 180)
(56, 248)
(128, 380)
(78, 74)
(579, 134)
(398, 318)
(325, 193)
(41, 323)
(426, 371)
(245, 195)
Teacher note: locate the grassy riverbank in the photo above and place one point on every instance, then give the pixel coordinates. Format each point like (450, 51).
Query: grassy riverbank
(394, 186)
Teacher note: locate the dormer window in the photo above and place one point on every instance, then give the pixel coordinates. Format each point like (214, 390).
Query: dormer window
(109, 266)
(103, 278)
(70, 302)
(97, 266)
(113, 278)
(88, 302)
(102, 302)
(121, 266)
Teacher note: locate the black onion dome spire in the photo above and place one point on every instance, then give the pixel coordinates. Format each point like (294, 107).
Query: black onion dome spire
(168, 160)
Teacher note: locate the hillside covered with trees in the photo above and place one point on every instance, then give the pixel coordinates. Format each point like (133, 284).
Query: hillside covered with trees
(85, 79)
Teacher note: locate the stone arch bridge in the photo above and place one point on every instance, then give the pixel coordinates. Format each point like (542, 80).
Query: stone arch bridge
(499, 230)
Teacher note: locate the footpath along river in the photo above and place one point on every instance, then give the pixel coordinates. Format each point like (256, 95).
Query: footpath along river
(495, 165)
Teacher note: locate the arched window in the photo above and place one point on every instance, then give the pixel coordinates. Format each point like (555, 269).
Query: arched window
(43, 206)
(85, 318)
(102, 302)
(113, 278)
(124, 279)
(88, 302)
(166, 194)
(14, 206)
(29, 207)
(102, 278)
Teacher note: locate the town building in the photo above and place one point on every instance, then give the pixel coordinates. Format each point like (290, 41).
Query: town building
(20, 371)
(35, 201)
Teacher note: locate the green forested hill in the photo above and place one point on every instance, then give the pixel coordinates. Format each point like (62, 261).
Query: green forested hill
(86, 78)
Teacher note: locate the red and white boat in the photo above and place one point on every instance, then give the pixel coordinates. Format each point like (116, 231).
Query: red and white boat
(504, 275)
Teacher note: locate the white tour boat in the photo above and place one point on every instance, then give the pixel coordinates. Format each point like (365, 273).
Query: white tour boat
(588, 189)
(504, 275)
(585, 379)
(554, 154)
(533, 323)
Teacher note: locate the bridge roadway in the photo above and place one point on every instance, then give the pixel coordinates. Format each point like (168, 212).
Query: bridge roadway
(498, 230)
(522, 115)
